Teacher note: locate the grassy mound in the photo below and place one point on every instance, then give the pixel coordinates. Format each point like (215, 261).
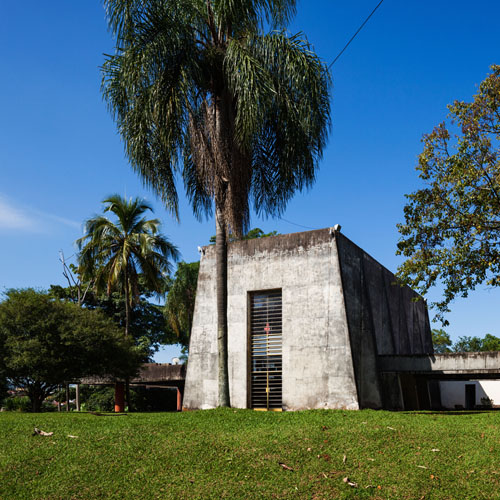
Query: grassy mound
(246, 454)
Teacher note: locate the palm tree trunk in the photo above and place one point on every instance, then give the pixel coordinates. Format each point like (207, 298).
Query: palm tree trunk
(127, 303)
(221, 270)
(127, 324)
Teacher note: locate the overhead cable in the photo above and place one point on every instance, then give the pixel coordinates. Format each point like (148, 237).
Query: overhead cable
(354, 36)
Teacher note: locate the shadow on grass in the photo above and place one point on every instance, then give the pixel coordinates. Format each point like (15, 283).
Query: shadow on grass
(456, 413)
(99, 414)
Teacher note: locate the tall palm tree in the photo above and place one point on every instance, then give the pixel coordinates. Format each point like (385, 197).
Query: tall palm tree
(114, 254)
(198, 88)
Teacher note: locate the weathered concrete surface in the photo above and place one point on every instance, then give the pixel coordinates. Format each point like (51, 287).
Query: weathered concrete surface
(475, 364)
(150, 373)
(341, 310)
(384, 318)
(317, 360)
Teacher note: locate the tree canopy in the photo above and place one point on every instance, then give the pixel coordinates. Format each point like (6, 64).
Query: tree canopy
(114, 254)
(451, 233)
(442, 343)
(197, 87)
(179, 306)
(477, 344)
(45, 342)
(148, 327)
(252, 234)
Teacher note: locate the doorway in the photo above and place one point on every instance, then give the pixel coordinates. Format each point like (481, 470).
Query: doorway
(266, 335)
(470, 396)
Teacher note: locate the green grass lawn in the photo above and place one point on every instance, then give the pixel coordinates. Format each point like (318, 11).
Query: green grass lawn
(237, 454)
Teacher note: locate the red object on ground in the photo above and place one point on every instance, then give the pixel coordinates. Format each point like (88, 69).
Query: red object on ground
(179, 400)
(119, 397)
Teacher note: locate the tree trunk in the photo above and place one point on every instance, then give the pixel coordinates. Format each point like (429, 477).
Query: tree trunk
(221, 270)
(127, 303)
(77, 397)
(67, 396)
(127, 324)
(36, 395)
(127, 394)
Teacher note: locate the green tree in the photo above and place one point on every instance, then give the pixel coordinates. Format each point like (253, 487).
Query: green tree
(148, 327)
(441, 341)
(46, 342)
(490, 343)
(451, 233)
(468, 344)
(116, 255)
(198, 87)
(477, 344)
(250, 235)
(179, 306)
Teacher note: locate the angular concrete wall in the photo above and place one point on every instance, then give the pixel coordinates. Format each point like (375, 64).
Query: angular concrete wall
(383, 317)
(317, 360)
(341, 310)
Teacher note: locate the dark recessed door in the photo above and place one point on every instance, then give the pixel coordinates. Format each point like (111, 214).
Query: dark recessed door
(266, 343)
(470, 396)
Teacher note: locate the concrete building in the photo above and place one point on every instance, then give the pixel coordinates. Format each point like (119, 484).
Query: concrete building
(310, 315)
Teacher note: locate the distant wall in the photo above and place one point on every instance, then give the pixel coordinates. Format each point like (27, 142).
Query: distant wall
(453, 392)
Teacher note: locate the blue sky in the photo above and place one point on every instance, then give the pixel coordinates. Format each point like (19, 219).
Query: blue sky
(60, 154)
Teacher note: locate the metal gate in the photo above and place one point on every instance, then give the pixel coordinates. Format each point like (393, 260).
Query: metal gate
(266, 341)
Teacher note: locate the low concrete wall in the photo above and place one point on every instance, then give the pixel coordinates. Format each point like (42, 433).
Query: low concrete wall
(148, 374)
(470, 363)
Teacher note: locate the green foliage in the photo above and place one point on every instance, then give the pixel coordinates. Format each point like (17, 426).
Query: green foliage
(251, 235)
(477, 344)
(179, 306)
(148, 327)
(101, 399)
(46, 342)
(451, 232)
(490, 343)
(17, 403)
(176, 63)
(236, 454)
(113, 255)
(441, 341)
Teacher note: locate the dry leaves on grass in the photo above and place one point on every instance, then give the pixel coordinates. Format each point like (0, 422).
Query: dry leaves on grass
(350, 483)
(285, 466)
(39, 432)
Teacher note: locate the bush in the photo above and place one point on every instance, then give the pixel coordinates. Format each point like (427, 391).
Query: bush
(101, 399)
(17, 403)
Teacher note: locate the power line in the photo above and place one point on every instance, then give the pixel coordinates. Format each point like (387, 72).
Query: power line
(332, 63)
(354, 36)
(293, 223)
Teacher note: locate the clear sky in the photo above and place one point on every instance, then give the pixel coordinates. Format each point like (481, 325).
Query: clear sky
(60, 154)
